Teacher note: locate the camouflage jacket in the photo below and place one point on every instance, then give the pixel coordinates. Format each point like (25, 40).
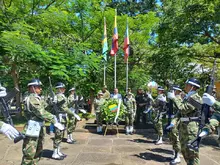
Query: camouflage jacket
(98, 103)
(63, 108)
(72, 100)
(159, 105)
(130, 105)
(35, 109)
(186, 109)
(106, 95)
(216, 107)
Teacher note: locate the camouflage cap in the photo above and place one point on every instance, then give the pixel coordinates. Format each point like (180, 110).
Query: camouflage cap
(105, 86)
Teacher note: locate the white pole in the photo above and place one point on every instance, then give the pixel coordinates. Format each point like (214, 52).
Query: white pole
(126, 74)
(115, 70)
(104, 73)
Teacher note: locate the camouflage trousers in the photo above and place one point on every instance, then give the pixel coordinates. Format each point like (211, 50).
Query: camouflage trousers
(129, 119)
(71, 124)
(174, 137)
(159, 127)
(98, 119)
(59, 134)
(213, 123)
(188, 132)
(32, 149)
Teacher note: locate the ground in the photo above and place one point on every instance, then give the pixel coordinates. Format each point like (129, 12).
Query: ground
(94, 149)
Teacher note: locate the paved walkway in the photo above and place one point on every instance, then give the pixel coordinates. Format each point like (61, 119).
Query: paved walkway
(94, 149)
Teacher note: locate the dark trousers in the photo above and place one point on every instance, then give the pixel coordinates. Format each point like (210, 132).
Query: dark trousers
(140, 115)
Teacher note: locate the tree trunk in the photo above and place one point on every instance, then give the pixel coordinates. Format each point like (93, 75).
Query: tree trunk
(92, 98)
(15, 77)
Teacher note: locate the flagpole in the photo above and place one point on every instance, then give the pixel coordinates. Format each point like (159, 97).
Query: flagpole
(104, 74)
(126, 74)
(115, 71)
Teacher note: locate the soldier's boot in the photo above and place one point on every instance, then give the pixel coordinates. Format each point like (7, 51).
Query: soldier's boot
(160, 141)
(60, 153)
(131, 130)
(127, 130)
(56, 156)
(69, 139)
(176, 159)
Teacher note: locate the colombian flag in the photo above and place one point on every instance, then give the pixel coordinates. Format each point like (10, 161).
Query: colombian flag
(113, 108)
(104, 42)
(126, 43)
(114, 48)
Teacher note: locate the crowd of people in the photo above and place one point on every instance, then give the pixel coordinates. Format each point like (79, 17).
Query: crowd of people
(183, 122)
(62, 112)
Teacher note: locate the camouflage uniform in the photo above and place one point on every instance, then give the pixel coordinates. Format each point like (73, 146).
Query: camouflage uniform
(32, 146)
(64, 111)
(130, 113)
(106, 95)
(188, 129)
(174, 133)
(98, 103)
(159, 107)
(131, 110)
(72, 120)
(214, 121)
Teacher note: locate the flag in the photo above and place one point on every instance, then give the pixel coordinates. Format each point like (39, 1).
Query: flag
(114, 48)
(126, 43)
(104, 42)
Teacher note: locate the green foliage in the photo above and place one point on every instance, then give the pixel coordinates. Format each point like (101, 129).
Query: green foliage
(108, 115)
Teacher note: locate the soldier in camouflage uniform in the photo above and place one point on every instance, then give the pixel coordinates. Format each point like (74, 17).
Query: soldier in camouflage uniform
(72, 99)
(214, 122)
(36, 114)
(106, 93)
(62, 116)
(131, 107)
(188, 110)
(159, 107)
(174, 129)
(99, 101)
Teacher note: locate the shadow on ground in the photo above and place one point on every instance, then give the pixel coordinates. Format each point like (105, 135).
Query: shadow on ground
(154, 157)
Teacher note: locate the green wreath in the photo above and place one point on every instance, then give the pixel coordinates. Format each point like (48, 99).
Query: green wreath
(109, 110)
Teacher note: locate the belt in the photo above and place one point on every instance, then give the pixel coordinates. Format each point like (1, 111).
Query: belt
(186, 119)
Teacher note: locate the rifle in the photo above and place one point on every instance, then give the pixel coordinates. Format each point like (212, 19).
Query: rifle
(52, 94)
(205, 113)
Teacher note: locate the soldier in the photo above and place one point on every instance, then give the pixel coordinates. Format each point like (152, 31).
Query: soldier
(174, 132)
(141, 103)
(188, 110)
(99, 101)
(72, 100)
(159, 105)
(64, 111)
(130, 103)
(36, 114)
(215, 118)
(106, 94)
(8, 130)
